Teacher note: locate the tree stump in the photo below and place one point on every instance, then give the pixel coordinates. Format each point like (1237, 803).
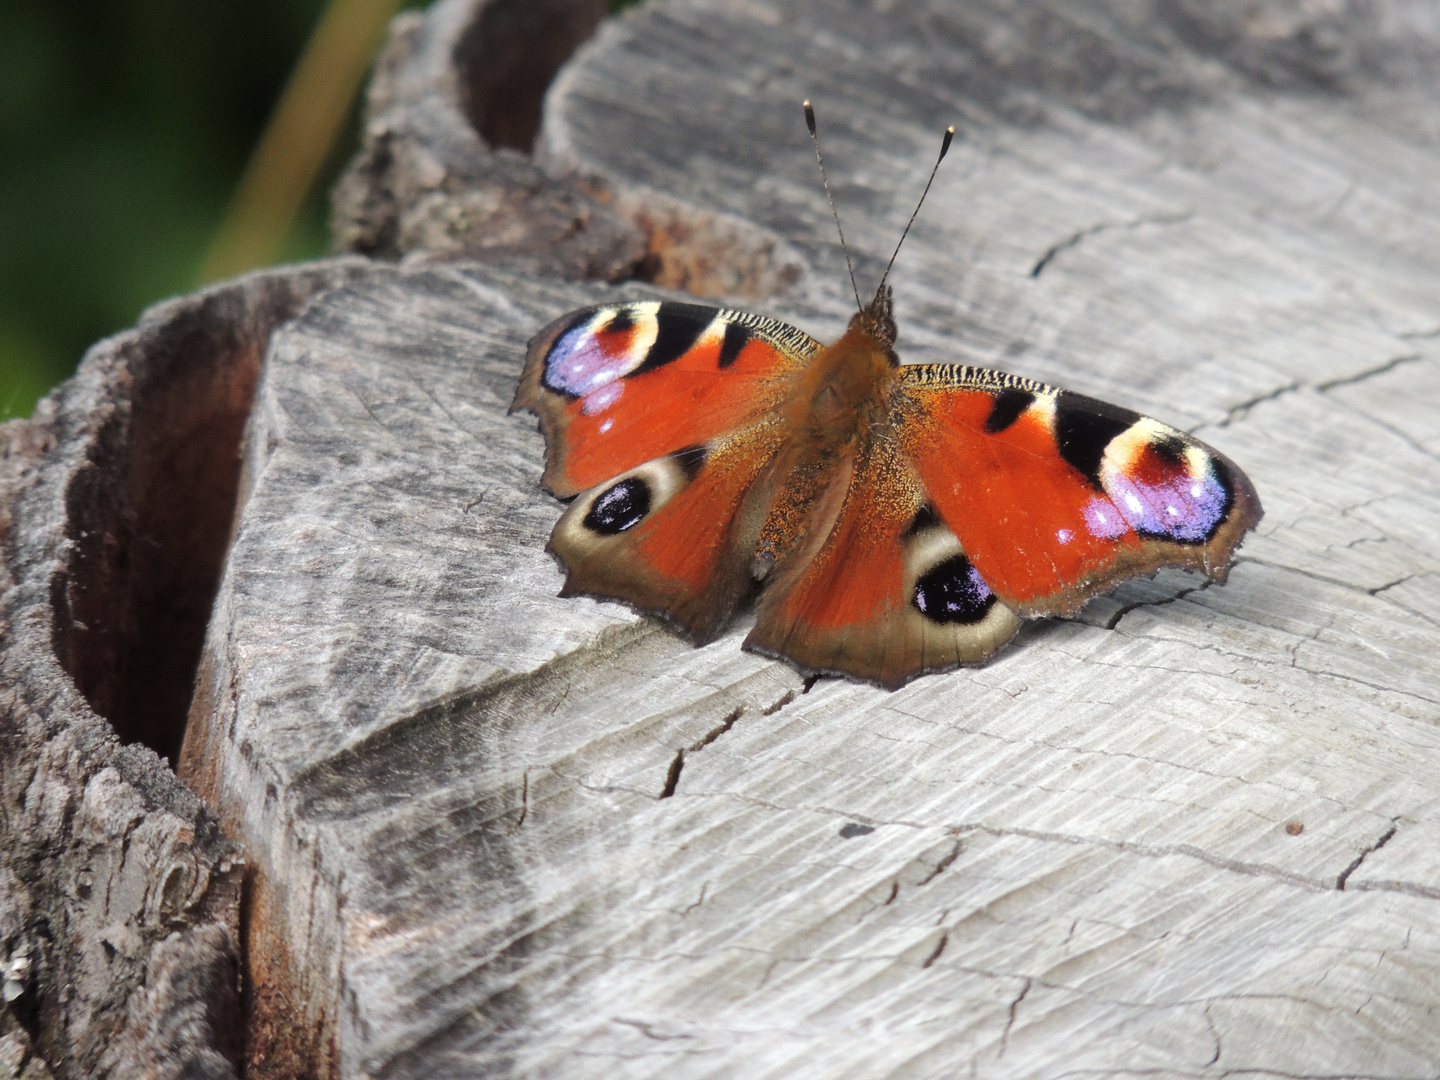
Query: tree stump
(492, 832)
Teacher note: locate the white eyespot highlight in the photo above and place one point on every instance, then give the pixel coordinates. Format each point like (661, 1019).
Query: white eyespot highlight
(1127, 447)
(927, 550)
(1159, 484)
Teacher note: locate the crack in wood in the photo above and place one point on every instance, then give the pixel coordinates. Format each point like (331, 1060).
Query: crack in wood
(1128, 847)
(1114, 619)
(935, 953)
(672, 777)
(524, 799)
(1214, 1034)
(1106, 226)
(704, 885)
(1238, 412)
(944, 864)
(1369, 373)
(1324, 579)
(648, 1030)
(1010, 1020)
(1380, 843)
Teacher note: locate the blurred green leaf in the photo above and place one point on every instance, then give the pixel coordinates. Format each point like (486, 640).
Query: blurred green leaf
(124, 125)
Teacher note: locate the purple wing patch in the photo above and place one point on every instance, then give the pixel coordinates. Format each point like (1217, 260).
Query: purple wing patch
(1159, 486)
(605, 347)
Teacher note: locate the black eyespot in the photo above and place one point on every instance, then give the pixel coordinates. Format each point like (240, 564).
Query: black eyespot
(619, 507)
(952, 592)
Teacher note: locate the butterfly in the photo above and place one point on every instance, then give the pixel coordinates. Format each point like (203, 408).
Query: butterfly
(895, 519)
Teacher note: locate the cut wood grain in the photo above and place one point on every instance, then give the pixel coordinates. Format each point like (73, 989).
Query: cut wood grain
(1189, 834)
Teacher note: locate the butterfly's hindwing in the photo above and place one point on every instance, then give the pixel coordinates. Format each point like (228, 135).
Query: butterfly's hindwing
(879, 588)
(674, 535)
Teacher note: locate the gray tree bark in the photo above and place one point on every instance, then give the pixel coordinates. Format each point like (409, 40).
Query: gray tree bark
(119, 896)
(490, 832)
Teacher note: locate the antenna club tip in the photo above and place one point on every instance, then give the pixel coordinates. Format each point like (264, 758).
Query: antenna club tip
(809, 117)
(945, 142)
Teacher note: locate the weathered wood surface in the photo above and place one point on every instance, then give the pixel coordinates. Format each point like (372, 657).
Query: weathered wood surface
(453, 100)
(119, 897)
(1192, 834)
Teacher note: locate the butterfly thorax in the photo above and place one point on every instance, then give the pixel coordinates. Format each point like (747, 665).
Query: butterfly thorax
(838, 403)
(836, 394)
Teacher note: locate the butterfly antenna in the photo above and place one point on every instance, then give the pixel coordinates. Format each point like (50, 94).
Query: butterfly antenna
(820, 158)
(944, 149)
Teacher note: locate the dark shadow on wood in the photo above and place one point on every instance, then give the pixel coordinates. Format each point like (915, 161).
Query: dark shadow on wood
(508, 57)
(149, 516)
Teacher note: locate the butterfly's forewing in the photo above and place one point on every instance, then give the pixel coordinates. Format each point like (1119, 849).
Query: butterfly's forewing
(1056, 496)
(878, 588)
(658, 417)
(619, 385)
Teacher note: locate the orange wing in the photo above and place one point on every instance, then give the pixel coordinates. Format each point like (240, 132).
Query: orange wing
(618, 385)
(879, 588)
(675, 535)
(1056, 496)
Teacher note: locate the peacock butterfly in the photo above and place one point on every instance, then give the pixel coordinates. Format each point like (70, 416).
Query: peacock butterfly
(896, 518)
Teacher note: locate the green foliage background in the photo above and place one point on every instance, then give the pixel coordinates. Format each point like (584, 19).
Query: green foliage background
(124, 126)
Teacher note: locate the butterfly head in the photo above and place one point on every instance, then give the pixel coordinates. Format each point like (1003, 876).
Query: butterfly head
(877, 319)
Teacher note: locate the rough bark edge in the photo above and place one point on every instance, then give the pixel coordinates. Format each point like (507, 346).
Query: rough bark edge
(427, 184)
(119, 897)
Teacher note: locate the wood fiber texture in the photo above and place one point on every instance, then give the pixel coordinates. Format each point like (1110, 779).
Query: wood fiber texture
(119, 896)
(451, 108)
(1193, 833)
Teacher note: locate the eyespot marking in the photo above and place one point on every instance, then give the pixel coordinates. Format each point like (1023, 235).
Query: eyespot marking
(600, 348)
(1164, 487)
(619, 507)
(953, 592)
